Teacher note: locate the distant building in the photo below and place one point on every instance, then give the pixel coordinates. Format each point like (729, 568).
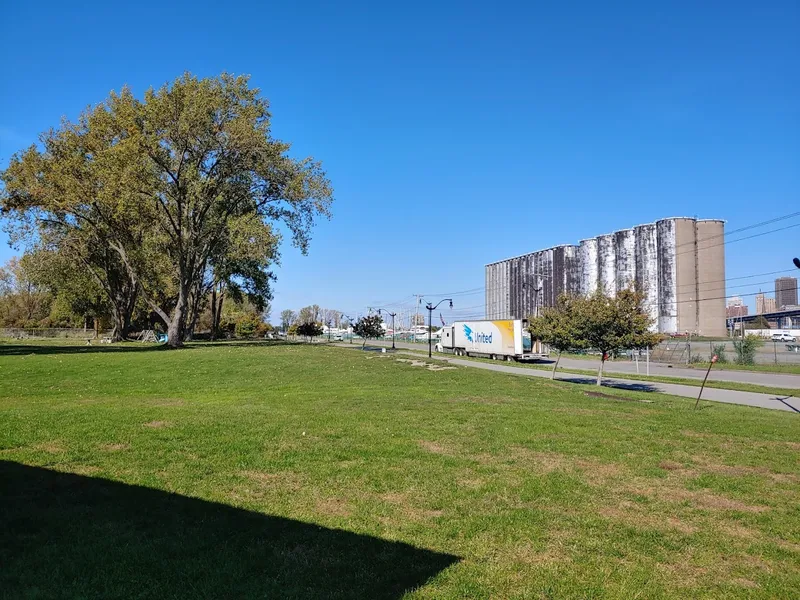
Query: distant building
(735, 307)
(785, 291)
(764, 304)
(734, 301)
(732, 312)
(676, 263)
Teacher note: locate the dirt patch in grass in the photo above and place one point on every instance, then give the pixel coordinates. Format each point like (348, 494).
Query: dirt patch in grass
(53, 447)
(333, 507)
(422, 363)
(669, 465)
(745, 583)
(168, 402)
(157, 424)
(282, 480)
(436, 448)
(113, 447)
(671, 491)
(83, 470)
(634, 515)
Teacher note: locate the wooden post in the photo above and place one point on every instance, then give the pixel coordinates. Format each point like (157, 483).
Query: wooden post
(711, 364)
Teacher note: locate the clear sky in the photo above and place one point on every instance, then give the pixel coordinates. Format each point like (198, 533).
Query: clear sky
(457, 134)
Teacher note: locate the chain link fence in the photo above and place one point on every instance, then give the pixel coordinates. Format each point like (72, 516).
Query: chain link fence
(688, 351)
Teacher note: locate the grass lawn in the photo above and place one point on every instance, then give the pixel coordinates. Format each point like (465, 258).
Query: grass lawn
(289, 471)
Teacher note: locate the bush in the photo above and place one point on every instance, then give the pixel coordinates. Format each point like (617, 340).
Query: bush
(247, 327)
(746, 349)
(719, 351)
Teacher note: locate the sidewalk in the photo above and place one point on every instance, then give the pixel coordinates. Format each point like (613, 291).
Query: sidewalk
(687, 391)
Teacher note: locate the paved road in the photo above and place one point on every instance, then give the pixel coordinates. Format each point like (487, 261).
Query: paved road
(674, 389)
(778, 380)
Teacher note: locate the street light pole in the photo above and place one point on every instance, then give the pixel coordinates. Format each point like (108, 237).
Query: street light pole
(431, 308)
(393, 315)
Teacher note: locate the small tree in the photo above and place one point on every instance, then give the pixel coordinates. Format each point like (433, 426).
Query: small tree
(611, 324)
(557, 327)
(369, 327)
(746, 349)
(309, 330)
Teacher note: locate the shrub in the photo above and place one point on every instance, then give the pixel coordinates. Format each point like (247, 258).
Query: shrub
(719, 351)
(746, 349)
(247, 327)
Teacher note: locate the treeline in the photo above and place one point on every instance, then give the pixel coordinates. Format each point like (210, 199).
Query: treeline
(37, 292)
(164, 208)
(313, 314)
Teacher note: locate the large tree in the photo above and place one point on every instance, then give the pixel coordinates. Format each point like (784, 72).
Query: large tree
(160, 180)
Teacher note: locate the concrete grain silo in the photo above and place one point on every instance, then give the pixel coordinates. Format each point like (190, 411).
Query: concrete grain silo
(678, 264)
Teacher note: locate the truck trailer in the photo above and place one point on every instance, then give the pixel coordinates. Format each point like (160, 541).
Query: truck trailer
(506, 339)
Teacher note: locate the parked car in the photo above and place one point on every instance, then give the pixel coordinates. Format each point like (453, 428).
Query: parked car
(782, 337)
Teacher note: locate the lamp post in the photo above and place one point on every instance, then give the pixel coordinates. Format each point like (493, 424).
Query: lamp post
(350, 320)
(393, 315)
(431, 308)
(796, 262)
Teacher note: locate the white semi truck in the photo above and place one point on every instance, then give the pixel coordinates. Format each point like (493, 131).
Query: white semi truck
(506, 339)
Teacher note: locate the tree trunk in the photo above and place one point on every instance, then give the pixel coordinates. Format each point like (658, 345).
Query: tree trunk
(600, 371)
(555, 366)
(213, 312)
(219, 308)
(176, 329)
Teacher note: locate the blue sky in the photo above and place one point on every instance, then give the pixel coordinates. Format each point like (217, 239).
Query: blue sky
(457, 134)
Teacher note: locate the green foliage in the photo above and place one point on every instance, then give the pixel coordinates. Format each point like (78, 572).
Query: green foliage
(558, 326)
(746, 349)
(169, 188)
(719, 352)
(369, 327)
(247, 326)
(760, 322)
(309, 330)
(612, 324)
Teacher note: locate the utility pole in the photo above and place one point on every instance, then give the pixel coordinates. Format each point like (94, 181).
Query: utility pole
(431, 308)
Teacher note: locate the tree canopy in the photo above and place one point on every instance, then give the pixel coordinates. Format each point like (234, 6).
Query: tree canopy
(171, 193)
(600, 322)
(369, 327)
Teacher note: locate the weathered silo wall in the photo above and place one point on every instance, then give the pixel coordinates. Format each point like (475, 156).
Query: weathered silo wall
(589, 267)
(711, 277)
(607, 264)
(686, 274)
(572, 271)
(677, 263)
(667, 291)
(625, 250)
(646, 251)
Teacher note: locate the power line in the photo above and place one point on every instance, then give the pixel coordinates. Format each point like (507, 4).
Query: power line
(745, 228)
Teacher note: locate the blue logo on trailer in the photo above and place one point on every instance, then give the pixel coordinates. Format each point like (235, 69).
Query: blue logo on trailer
(480, 338)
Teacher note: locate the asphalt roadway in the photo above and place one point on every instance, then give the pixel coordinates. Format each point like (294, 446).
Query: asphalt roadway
(791, 404)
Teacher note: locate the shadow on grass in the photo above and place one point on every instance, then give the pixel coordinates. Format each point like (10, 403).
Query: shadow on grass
(12, 349)
(70, 536)
(639, 386)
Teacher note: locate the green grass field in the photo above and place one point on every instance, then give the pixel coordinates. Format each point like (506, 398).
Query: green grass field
(288, 471)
